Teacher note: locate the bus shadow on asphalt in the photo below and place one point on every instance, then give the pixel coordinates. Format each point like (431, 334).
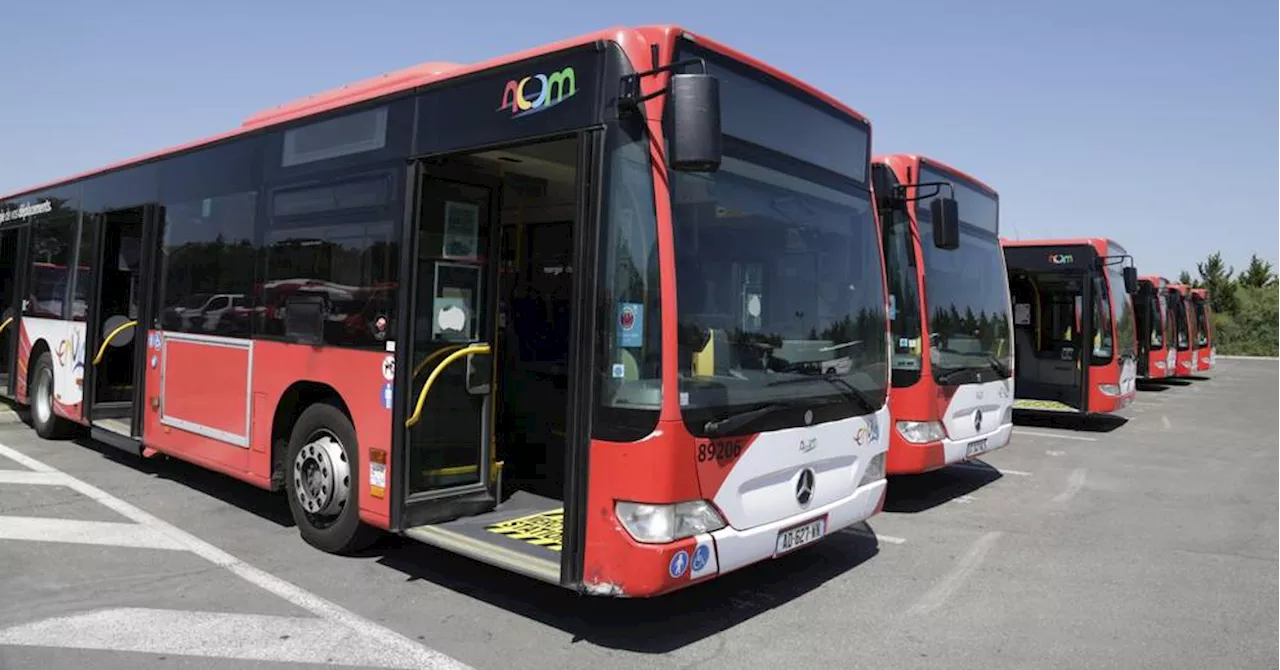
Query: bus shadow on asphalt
(1152, 387)
(261, 503)
(1164, 384)
(911, 494)
(644, 625)
(1091, 423)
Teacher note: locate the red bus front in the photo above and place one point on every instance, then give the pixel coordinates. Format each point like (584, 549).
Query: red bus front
(1157, 350)
(1186, 359)
(1074, 325)
(1204, 351)
(950, 318)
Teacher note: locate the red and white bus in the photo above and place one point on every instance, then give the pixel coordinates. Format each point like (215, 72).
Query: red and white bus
(586, 312)
(1186, 358)
(1073, 325)
(1157, 342)
(1205, 353)
(952, 396)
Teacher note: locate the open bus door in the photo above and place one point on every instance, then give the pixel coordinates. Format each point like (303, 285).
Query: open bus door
(494, 420)
(1053, 332)
(124, 260)
(13, 260)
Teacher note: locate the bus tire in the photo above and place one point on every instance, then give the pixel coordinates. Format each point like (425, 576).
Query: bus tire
(47, 423)
(321, 480)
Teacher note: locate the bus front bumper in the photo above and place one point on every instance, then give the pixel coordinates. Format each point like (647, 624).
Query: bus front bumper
(739, 548)
(956, 451)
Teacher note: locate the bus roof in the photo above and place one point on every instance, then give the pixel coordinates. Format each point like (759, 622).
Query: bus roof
(1154, 280)
(890, 158)
(634, 40)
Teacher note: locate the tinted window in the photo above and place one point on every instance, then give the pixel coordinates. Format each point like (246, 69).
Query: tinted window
(754, 107)
(339, 136)
(1202, 323)
(967, 288)
(629, 390)
(333, 243)
(904, 284)
(1121, 304)
(54, 234)
(207, 250)
(85, 261)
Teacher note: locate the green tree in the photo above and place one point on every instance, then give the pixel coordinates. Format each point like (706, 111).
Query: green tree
(1258, 275)
(1216, 277)
(1185, 278)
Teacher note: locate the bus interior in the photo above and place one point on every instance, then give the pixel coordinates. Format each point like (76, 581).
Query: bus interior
(1048, 330)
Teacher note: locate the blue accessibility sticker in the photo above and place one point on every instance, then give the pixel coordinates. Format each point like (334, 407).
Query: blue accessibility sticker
(679, 563)
(387, 395)
(700, 557)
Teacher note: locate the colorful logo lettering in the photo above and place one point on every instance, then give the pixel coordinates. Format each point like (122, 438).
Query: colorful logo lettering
(540, 92)
(1061, 259)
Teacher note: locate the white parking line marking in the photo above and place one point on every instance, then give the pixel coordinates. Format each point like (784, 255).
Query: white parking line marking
(108, 533)
(1003, 471)
(255, 637)
(889, 539)
(1164, 420)
(35, 478)
(393, 649)
(1074, 483)
(1056, 436)
(938, 595)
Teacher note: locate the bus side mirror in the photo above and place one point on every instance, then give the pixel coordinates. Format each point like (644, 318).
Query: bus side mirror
(1130, 279)
(695, 142)
(945, 213)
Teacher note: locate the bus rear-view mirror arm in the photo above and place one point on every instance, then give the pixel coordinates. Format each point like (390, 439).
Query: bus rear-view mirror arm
(944, 210)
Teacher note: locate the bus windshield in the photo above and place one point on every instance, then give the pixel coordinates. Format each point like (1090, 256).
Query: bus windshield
(1121, 306)
(1202, 323)
(780, 286)
(966, 289)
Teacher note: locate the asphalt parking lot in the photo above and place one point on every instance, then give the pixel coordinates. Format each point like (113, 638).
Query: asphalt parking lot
(1147, 541)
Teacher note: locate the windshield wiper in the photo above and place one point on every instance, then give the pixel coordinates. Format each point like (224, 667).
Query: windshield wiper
(993, 363)
(734, 422)
(849, 391)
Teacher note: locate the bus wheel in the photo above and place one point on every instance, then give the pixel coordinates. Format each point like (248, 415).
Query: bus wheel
(322, 481)
(48, 425)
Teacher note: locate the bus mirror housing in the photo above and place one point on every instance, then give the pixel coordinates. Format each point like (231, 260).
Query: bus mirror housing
(1130, 280)
(945, 213)
(695, 142)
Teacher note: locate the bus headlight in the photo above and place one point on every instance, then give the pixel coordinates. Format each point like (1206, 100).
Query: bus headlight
(1109, 390)
(659, 524)
(875, 470)
(919, 432)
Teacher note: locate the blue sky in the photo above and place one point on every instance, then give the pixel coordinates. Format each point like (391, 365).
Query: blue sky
(1152, 122)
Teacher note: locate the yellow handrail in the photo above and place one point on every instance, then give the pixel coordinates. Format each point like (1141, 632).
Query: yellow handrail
(479, 348)
(5, 324)
(102, 350)
(417, 369)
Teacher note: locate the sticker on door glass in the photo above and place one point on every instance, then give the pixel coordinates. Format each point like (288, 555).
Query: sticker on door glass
(630, 324)
(450, 316)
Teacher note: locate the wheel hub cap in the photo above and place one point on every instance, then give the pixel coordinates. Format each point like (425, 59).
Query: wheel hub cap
(322, 476)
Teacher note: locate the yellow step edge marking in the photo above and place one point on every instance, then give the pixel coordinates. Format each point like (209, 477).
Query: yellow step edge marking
(544, 529)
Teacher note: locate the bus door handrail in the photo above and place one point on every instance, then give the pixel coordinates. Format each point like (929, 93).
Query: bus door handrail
(102, 350)
(5, 324)
(417, 369)
(478, 348)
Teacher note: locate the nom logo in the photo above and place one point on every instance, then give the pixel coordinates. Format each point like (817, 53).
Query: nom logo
(537, 93)
(1061, 259)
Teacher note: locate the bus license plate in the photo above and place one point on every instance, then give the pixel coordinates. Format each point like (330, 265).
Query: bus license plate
(974, 448)
(797, 536)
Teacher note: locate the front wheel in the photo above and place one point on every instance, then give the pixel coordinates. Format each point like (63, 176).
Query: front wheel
(48, 425)
(322, 481)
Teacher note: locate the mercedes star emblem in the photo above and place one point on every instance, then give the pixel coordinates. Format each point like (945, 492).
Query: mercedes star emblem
(808, 417)
(804, 487)
(977, 420)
